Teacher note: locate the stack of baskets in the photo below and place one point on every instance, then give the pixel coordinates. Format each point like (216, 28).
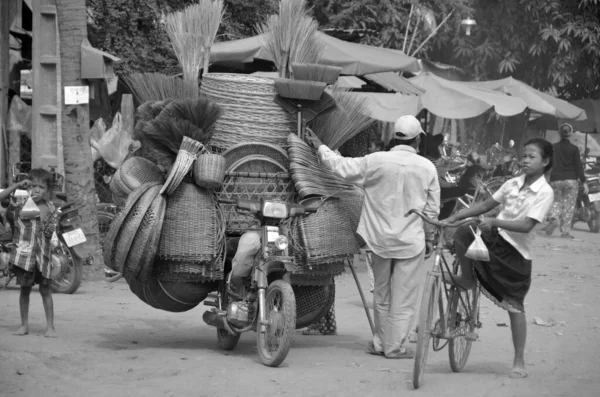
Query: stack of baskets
(249, 110)
(133, 173)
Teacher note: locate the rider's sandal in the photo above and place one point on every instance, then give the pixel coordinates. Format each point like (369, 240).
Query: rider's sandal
(371, 350)
(404, 353)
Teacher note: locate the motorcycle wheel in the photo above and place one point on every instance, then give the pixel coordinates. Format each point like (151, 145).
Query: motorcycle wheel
(226, 341)
(69, 279)
(280, 309)
(594, 223)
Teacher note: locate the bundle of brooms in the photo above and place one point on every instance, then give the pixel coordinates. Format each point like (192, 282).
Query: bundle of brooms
(311, 177)
(157, 87)
(176, 136)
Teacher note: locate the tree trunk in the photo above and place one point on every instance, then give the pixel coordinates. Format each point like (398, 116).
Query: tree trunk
(79, 171)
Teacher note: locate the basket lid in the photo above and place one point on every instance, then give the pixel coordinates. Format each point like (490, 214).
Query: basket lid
(257, 163)
(241, 150)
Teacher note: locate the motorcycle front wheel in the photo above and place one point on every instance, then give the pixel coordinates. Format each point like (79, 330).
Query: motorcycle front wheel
(280, 311)
(69, 279)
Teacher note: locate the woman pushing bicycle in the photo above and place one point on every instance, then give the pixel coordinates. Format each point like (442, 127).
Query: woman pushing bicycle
(506, 278)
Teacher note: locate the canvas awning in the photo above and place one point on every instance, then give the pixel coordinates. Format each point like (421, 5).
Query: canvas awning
(535, 99)
(393, 81)
(354, 59)
(457, 100)
(388, 107)
(96, 64)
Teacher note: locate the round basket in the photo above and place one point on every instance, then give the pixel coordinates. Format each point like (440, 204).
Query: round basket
(193, 230)
(257, 163)
(209, 170)
(249, 110)
(313, 302)
(241, 150)
(136, 171)
(170, 296)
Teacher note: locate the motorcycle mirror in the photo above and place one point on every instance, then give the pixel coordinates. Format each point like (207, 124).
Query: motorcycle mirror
(511, 143)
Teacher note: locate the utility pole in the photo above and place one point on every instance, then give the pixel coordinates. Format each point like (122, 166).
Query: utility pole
(4, 83)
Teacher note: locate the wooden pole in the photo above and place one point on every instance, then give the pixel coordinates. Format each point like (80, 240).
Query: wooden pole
(412, 7)
(431, 35)
(362, 296)
(4, 83)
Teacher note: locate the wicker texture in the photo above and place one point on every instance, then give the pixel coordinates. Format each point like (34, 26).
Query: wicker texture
(324, 237)
(257, 163)
(249, 110)
(145, 243)
(188, 272)
(241, 150)
(193, 228)
(130, 226)
(240, 185)
(209, 171)
(136, 171)
(114, 232)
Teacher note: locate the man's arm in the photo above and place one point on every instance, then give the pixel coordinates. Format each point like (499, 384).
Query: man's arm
(352, 170)
(432, 206)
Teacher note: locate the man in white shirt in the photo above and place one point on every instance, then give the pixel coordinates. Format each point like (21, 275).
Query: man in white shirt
(394, 183)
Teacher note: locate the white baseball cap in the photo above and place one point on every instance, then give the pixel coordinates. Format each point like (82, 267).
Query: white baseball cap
(408, 126)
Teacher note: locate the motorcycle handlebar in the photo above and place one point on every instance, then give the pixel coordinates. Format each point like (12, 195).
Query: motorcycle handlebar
(440, 224)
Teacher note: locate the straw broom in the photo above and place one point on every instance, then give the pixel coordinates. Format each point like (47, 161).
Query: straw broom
(212, 14)
(184, 29)
(157, 87)
(343, 123)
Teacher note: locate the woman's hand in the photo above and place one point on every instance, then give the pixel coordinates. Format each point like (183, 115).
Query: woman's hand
(486, 224)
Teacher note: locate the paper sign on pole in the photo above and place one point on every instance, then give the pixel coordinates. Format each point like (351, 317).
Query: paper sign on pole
(77, 95)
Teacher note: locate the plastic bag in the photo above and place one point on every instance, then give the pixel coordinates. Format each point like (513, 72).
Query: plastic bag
(30, 210)
(19, 117)
(96, 133)
(477, 250)
(114, 144)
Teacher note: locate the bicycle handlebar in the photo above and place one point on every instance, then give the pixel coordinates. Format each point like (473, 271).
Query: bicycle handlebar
(437, 223)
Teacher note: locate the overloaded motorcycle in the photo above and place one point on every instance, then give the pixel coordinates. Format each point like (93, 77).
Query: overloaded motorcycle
(268, 303)
(588, 205)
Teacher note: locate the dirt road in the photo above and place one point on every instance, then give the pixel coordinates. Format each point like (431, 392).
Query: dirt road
(112, 344)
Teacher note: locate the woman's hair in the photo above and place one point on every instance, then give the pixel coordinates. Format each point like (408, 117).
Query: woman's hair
(565, 128)
(546, 150)
(44, 176)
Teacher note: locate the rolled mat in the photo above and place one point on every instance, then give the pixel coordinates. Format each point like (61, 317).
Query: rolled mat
(171, 297)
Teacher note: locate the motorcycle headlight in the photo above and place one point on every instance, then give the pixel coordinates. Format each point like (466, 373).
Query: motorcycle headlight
(282, 243)
(272, 209)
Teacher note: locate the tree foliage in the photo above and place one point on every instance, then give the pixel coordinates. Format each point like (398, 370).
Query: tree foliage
(550, 44)
(132, 29)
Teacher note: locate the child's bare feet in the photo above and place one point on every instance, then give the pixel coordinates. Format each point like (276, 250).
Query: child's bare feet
(50, 333)
(517, 372)
(24, 330)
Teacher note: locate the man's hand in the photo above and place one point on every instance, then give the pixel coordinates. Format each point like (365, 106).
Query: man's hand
(486, 224)
(24, 184)
(586, 188)
(428, 248)
(312, 138)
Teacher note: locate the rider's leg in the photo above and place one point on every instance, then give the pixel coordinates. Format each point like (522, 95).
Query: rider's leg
(242, 262)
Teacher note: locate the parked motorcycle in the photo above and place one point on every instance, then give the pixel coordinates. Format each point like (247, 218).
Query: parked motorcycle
(268, 305)
(67, 270)
(588, 205)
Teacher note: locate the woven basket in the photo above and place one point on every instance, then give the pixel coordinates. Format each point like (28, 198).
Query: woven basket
(136, 171)
(189, 272)
(324, 237)
(114, 232)
(257, 163)
(246, 185)
(118, 189)
(209, 171)
(129, 227)
(249, 110)
(241, 150)
(193, 229)
(170, 296)
(145, 242)
(178, 171)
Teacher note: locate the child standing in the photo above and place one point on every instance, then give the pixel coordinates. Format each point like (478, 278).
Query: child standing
(31, 256)
(506, 278)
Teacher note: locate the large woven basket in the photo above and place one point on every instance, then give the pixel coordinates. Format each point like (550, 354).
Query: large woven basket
(209, 171)
(249, 110)
(135, 171)
(249, 185)
(193, 230)
(241, 150)
(325, 237)
(171, 296)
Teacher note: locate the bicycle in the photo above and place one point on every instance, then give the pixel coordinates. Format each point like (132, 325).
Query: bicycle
(457, 320)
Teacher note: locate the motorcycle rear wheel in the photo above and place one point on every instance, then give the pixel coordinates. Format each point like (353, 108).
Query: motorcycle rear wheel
(70, 278)
(594, 223)
(280, 308)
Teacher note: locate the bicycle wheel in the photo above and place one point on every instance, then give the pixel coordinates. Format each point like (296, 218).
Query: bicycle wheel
(426, 315)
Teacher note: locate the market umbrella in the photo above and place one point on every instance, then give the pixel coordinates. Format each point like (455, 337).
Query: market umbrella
(536, 100)
(354, 59)
(456, 100)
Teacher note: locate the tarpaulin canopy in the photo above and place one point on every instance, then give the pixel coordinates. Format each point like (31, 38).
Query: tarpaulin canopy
(456, 100)
(388, 107)
(354, 59)
(535, 99)
(592, 110)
